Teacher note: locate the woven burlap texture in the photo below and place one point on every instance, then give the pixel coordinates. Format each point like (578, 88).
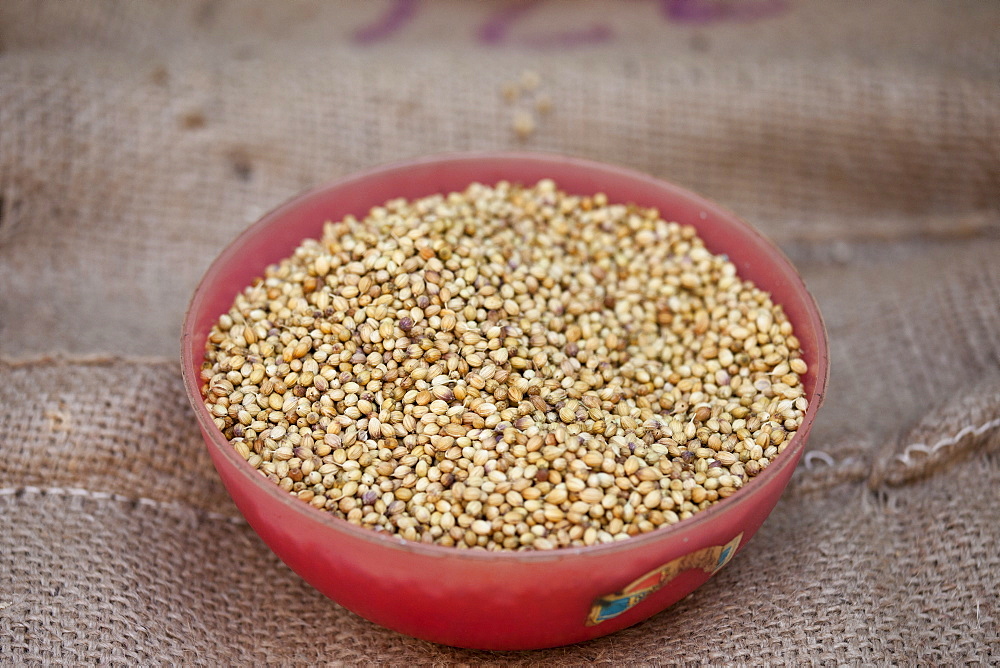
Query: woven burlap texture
(137, 139)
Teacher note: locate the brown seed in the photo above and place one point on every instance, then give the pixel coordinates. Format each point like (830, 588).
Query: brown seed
(648, 474)
(557, 496)
(726, 458)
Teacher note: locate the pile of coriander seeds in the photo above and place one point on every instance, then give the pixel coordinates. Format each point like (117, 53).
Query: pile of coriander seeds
(506, 368)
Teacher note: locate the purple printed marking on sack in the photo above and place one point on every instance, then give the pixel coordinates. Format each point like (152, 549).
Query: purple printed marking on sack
(496, 30)
(397, 15)
(499, 27)
(713, 11)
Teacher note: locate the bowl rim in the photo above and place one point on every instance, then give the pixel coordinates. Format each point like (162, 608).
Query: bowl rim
(191, 360)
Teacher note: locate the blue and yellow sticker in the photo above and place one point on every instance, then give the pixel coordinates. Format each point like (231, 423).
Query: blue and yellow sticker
(709, 559)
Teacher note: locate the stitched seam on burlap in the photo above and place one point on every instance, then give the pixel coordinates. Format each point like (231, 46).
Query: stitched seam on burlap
(819, 469)
(815, 462)
(906, 457)
(95, 359)
(120, 498)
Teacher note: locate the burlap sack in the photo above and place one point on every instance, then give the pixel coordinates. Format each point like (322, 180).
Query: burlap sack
(137, 139)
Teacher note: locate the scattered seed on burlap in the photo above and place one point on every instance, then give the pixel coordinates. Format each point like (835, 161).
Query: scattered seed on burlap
(523, 119)
(506, 368)
(523, 123)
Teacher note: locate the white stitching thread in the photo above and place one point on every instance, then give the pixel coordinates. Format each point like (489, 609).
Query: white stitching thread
(813, 455)
(108, 496)
(809, 461)
(906, 457)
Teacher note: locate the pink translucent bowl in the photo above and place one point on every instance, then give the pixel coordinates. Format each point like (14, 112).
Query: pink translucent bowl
(506, 600)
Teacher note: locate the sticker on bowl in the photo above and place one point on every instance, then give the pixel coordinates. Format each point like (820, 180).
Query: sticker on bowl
(709, 559)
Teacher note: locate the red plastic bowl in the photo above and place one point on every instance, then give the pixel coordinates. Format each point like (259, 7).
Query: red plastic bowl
(499, 600)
